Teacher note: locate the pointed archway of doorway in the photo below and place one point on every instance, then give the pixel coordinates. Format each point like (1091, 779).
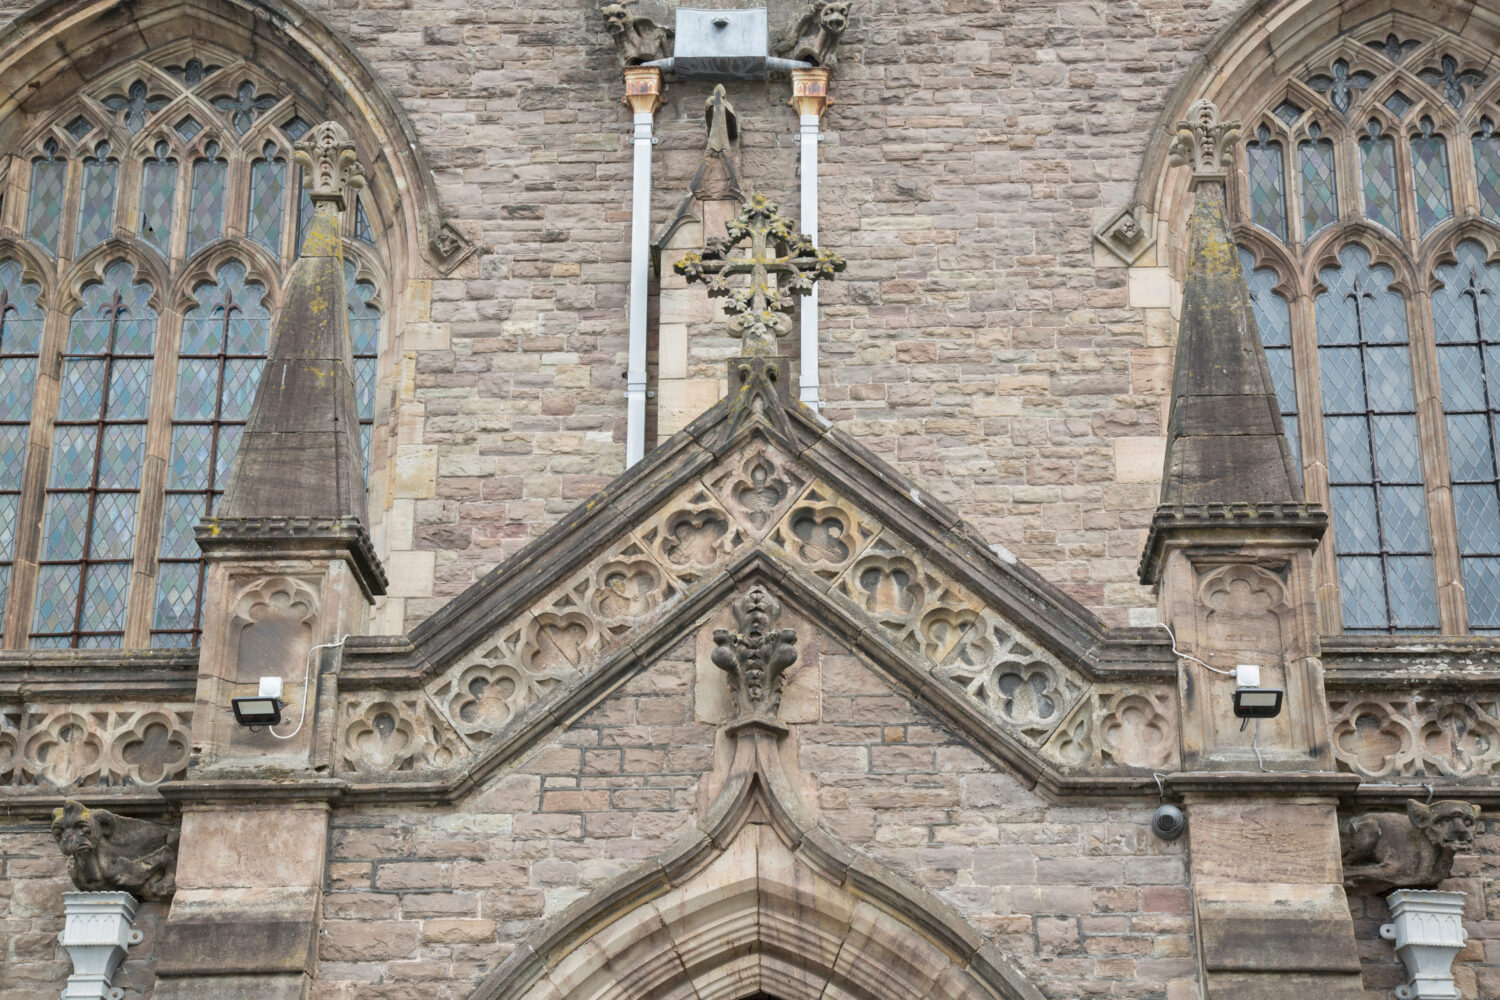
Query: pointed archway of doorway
(757, 902)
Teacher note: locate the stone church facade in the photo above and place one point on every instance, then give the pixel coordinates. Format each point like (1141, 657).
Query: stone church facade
(1127, 344)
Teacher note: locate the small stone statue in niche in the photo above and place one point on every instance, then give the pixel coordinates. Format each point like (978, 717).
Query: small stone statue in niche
(638, 38)
(1383, 851)
(814, 36)
(757, 656)
(109, 853)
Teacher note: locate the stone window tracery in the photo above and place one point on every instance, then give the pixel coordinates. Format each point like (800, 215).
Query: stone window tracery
(1367, 207)
(146, 227)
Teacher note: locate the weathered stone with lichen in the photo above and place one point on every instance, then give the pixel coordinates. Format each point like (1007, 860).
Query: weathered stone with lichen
(1204, 143)
(109, 853)
(774, 250)
(757, 656)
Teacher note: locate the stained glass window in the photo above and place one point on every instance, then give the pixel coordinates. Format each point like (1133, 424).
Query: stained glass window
(1377, 165)
(96, 202)
(206, 205)
(1320, 204)
(1273, 316)
(98, 451)
(1378, 501)
(207, 175)
(49, 185)
(1429, 175)
(1466, 321)
(20, 341)
(1486, 146)
(224, 341)
(1267, 189)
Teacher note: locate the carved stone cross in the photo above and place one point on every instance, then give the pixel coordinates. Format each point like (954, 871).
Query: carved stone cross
(774, 250)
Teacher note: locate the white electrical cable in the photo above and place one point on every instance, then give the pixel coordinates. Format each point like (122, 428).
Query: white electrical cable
(1187, 656)
(306, 684)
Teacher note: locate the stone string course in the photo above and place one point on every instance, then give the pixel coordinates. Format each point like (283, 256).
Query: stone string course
(978, 341)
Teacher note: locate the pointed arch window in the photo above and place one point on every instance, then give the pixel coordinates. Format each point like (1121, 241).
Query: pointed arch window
(159, 213)
(1395, 345)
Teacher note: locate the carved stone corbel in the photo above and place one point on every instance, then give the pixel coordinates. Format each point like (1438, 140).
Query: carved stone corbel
(1384, 851)
(757, 656)
(110, 853)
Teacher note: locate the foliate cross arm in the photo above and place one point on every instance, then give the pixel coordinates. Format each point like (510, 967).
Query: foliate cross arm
(774, 251)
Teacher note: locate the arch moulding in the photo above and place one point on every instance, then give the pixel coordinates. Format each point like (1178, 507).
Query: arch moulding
(57, 46)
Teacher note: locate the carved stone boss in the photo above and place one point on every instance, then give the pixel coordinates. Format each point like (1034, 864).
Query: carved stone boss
(774, 251)
(757, 656)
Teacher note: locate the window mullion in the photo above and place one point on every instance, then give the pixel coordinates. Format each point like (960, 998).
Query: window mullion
(1314, 453)
(1435, 471)
(145, 568)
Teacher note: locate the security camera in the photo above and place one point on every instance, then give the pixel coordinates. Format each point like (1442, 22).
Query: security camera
(1168, 822)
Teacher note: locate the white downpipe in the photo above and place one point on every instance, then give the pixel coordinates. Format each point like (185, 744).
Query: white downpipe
(809, 225)
(640, 235)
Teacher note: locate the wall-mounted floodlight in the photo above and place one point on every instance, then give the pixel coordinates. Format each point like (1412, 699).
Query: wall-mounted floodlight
(1251, 701)
(262, 710)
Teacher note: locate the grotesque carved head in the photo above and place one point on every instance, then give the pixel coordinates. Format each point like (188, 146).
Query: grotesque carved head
(109, 853)
(1449, 824)
(616, 19)
(78, 830)
(834, 16)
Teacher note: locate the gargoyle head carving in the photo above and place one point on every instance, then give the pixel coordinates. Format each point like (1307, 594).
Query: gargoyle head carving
(110, 853)
(1449, 825)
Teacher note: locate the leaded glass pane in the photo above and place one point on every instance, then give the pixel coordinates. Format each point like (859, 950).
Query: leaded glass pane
(120, 456)
(229, 446)
(129, 389)
(1388, 377)
(1354, 520)
(1348, 450)
(1342, 378)
(244, 106)
(191, 446)
(56, 606)
(1486, 147)
(1398, 456)
(12, 452)
(1293, 440)
(1362, 593)
(182, 511)
(96, 202)
(197, 389)
(49, 183)
(1320, 203)
(267, 202)
(79, 127)
(176, 596)
(104, 591)
(1482, 592)
(73, 457)
(1413, 593)
(1263, 170)
(158, 195)
(1377, 161)
(1398, 103)
(1403, 512)
(20, 316)
(1287, 112)
(82, 392)
(9, 507)
(66, 526)
(113, 532)
(240, 380)
(362, 230)
(17, 379)
(1430, 180)
(206, 203)
(304, 213)
(1470, 458)
(1476, 510)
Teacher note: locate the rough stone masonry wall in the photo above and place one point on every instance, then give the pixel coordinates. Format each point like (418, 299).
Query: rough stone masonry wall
(978, 340)
(1082, 898)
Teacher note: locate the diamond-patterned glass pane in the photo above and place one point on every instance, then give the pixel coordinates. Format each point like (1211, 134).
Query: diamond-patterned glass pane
(17, 379)
(1287, 112)
(206, 204)
(1413, 592)
(1430, 180)
(120, 456)
(1388, 375)
(1378, 180)
(229, 446)
(1348, 450)
(176, 596)
(66, 526)
(1320, 207)
(12, 453)
(4, 591)
(1398, 103)
(362, 230)
(73, 457)
(112, 535)
(1362, 593)
(1487, 169)
(79, 127)
(129, 389)
(188, 128)
(20, 316)
(82, 392)
(104, 590)
(250, 330)
(1469, 449)
(158, 195)
(1355, 527)
(364, 379)
(96, 202)
(191, 445)
(1263, 169)
(1294, 441)
(1463, 378)
(1280, 360)
(1476, 509)
(1403, 514)
(240, 379)
(267, 203)
(1482, 592)
(1341, 375)
(9, 502)
(1272, 313)
(182, 511)
(56, 599)
(1398, 457)
(45, 213)
(304, 212)
(197, 389)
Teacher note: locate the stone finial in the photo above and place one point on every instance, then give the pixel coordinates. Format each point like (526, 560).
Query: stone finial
(1204, 143)
(638, 39)
(814, 35)
(109, 853)
(329, 167)
(722, 122)
(775, 250)
(757, 656)
(1383, 851)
